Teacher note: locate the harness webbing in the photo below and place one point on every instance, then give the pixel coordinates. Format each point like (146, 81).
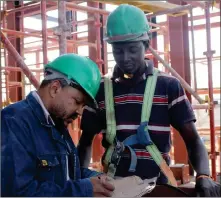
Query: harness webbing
(146, 111)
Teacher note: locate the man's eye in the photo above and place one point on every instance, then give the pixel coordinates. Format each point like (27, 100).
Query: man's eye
(77, 102)
(134, 49)
(116, 51)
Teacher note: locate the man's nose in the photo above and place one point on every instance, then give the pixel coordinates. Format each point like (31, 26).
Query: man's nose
(126, 56)
(80, 110)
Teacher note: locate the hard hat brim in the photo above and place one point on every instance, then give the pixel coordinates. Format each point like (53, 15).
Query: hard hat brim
(127, 38)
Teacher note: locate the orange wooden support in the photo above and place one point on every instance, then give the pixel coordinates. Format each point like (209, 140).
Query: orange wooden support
(18, 59)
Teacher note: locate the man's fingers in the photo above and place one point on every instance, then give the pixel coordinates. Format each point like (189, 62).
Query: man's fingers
(107, 193)
(108, 186)
(102, 186)
(107, 183)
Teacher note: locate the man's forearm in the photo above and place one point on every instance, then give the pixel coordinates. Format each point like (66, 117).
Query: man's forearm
(85, 148)
(199, 157)
(197, 152)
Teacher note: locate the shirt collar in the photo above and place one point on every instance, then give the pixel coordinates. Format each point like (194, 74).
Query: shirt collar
(149, 69)
(46, 113)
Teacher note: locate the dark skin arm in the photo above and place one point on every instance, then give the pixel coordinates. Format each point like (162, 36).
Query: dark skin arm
(92, 123)
(85, 148)
(205, 187)
(196, 150)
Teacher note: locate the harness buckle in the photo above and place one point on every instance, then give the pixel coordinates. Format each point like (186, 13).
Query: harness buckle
(116, 155)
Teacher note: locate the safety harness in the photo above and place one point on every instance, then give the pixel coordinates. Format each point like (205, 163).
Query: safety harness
(116, 148)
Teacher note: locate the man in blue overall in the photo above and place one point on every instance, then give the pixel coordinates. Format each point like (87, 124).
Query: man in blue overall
(136, 122)
(38, 156)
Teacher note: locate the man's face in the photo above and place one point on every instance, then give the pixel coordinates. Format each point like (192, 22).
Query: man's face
(66, 103)
(129, 56)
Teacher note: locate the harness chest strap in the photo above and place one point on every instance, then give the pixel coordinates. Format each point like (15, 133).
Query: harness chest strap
(146, 110)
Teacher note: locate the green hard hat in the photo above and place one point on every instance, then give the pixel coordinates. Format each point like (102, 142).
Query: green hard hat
(79, 69)
(127, 23)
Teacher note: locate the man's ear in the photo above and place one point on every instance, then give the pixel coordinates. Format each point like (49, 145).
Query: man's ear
(55, 88)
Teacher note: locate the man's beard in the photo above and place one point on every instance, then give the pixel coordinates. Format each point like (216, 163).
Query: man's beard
(59, 122)
(58, 115)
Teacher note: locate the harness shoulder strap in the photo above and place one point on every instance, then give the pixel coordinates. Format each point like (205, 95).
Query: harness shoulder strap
(110, 113)
(111, 125)
(146, 111)
(148, 96)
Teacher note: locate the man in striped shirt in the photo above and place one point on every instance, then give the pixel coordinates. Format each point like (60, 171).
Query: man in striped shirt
(170, 105)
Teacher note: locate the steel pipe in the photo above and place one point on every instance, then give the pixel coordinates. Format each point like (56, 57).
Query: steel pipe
(14, 84)
(193, 49)
(44, 31)
(170, 11)
(62, 21)
(18, 69)
(200, 106)
(26, 7)
(196, 3)
(98, 24)
(182, 81)
(209, 55)
(74, 6)
(86, 9)
(19, 33)
(19, 60)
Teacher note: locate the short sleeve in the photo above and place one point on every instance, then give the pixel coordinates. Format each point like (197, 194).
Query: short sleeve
(180, 109)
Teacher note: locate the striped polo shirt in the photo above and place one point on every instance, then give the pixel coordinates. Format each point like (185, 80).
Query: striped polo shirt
(170, 108)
